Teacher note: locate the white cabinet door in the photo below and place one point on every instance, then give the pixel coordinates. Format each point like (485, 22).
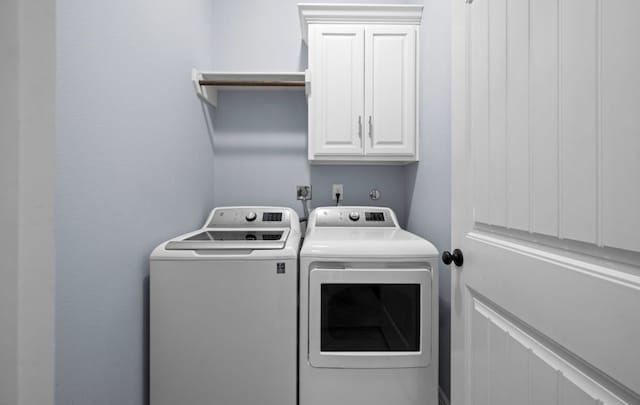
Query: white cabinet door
(336, 101)
(546, 168)
(390, 90)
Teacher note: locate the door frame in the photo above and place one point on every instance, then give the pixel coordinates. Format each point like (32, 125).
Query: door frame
(460, 195)
(27, 203)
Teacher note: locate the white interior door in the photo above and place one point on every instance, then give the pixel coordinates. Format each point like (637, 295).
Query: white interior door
(337, 94)
(391, 90)
(546, 202)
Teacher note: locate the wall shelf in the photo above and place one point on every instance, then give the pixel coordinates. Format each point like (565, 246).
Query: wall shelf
(207, 84)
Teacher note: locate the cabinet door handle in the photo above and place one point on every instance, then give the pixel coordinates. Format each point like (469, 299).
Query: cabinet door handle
(371, 130)
(360, 126)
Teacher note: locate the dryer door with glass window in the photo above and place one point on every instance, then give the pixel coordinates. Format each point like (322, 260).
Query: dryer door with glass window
(370, 318)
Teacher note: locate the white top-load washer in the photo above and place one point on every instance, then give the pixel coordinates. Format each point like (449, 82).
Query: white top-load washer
(368, 310)
(223, 311)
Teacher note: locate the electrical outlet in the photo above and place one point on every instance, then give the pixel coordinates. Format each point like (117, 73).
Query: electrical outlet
(337, 189)
(303, 192)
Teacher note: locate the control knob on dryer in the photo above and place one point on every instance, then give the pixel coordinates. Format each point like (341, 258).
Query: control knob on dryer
(251, 216)
(354, 216)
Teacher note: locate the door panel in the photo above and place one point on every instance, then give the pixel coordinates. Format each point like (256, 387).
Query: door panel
(337, 94)
(543, 383)
(546, 98)
(543, 111)
(579, 305)
(390, 104)
(541, 374)
(578, 120)
(554, 118)
(497, 102)
(619, 122)
(479, 114)
(517, 157)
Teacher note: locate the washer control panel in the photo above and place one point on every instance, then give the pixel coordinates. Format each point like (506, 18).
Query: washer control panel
(249, 217)
(355, 216)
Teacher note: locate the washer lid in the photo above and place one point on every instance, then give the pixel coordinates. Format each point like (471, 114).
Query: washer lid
(333, 242)
(247, 239)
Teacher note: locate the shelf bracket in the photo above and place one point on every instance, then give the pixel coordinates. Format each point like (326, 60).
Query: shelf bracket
(207, 94)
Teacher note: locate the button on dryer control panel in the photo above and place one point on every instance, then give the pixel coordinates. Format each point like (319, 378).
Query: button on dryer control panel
(354, 216)
(251, 216)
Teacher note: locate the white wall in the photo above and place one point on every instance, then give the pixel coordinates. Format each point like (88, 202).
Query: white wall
(428, 183)
(27, 80)
(260, 137)
(260, 142)
(36, 196)
(135, 167)
(9, 137)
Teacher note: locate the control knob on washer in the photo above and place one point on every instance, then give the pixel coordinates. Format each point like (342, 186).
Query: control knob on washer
(354, 216)
(251, 216)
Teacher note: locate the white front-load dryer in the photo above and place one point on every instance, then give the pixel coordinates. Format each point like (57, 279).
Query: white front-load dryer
(223, 311)
(368, 311)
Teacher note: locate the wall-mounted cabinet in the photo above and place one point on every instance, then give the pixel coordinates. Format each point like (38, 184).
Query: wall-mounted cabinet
(363, 67)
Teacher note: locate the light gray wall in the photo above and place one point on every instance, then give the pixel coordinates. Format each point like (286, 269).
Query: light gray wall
(36, 202)
(260, 137)
(27, 133)
(260, 141)
(428, 183)
(135, 167)
(9, 135)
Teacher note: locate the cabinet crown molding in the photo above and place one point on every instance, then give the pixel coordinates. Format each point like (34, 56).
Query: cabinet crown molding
(397, 14)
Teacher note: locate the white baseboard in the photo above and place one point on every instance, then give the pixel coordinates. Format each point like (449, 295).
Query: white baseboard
(442, 397)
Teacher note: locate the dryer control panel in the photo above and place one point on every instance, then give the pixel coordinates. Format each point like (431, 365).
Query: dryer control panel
(344, 216)
(249, 217)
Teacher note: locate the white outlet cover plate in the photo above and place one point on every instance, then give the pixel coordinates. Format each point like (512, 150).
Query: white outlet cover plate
(337, 188)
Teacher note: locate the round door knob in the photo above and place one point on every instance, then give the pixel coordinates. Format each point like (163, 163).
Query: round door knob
(456, 257)
(251, 216)
(354, 216)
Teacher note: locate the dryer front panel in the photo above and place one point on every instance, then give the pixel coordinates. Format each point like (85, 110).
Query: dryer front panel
(370, 318)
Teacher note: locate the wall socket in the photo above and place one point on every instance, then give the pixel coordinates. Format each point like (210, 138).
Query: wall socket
(337, 189)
